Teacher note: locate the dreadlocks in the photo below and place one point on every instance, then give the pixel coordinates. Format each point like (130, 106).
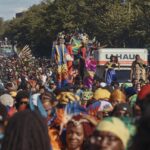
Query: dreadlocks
(26, 130)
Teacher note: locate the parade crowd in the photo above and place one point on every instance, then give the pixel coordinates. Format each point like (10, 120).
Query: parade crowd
(61, 104)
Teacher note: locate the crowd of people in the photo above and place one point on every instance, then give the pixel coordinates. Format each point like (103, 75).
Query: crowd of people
(60, 104)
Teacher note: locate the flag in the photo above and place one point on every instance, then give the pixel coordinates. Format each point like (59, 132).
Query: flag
(75, 44)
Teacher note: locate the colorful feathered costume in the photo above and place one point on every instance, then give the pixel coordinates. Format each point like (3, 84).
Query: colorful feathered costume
(90, 69)
(62, 70)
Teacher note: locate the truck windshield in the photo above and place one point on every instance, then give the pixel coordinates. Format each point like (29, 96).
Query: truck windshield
(123, 75)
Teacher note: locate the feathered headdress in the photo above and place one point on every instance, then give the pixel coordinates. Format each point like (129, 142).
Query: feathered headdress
(71, 109)
(25, 53)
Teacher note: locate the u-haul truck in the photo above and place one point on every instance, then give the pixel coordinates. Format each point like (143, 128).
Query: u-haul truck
(125, 57)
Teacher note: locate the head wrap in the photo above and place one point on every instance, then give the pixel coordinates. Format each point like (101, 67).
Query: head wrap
(132, 100)
(118, 95)
(101, 94)
(87, 126)
(74, 108)
(130, 91)
(99, 106)
(66, 97)
(126, 85)
(115, 126)
(145, 90)
(7, 100)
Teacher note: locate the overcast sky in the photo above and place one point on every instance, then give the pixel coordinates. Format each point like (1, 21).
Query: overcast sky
(8, 8)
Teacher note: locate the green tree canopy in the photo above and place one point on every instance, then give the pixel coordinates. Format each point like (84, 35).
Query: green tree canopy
(113, 23)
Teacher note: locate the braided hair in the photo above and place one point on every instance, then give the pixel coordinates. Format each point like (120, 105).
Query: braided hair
(26, 130)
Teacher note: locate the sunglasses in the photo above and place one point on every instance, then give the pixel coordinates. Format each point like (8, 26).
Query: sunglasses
(25, 103)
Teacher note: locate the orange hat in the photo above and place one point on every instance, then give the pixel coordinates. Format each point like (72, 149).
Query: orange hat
(118, 95)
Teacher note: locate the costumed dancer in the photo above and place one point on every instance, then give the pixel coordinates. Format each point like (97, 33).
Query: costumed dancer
(78, 128)
(138, 70)
(90, 69)
(110, 73)
(70, 59)
(60, 52)
(82, 57)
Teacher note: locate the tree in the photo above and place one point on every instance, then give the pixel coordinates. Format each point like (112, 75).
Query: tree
(3, 25)
(112, 22)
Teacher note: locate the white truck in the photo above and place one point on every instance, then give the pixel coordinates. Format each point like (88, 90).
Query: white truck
(125, 57)
(6, 49)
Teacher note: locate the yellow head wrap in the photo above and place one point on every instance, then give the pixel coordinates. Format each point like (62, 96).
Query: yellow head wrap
(118, 95)
(65, 97)
(101, 94)
(115, 126)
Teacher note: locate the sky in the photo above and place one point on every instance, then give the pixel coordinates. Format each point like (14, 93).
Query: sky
(8, 8)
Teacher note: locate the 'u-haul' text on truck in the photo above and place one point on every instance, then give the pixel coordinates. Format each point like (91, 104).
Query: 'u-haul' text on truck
(125, 57)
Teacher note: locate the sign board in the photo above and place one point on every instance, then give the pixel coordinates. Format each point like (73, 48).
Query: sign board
(125, 55)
